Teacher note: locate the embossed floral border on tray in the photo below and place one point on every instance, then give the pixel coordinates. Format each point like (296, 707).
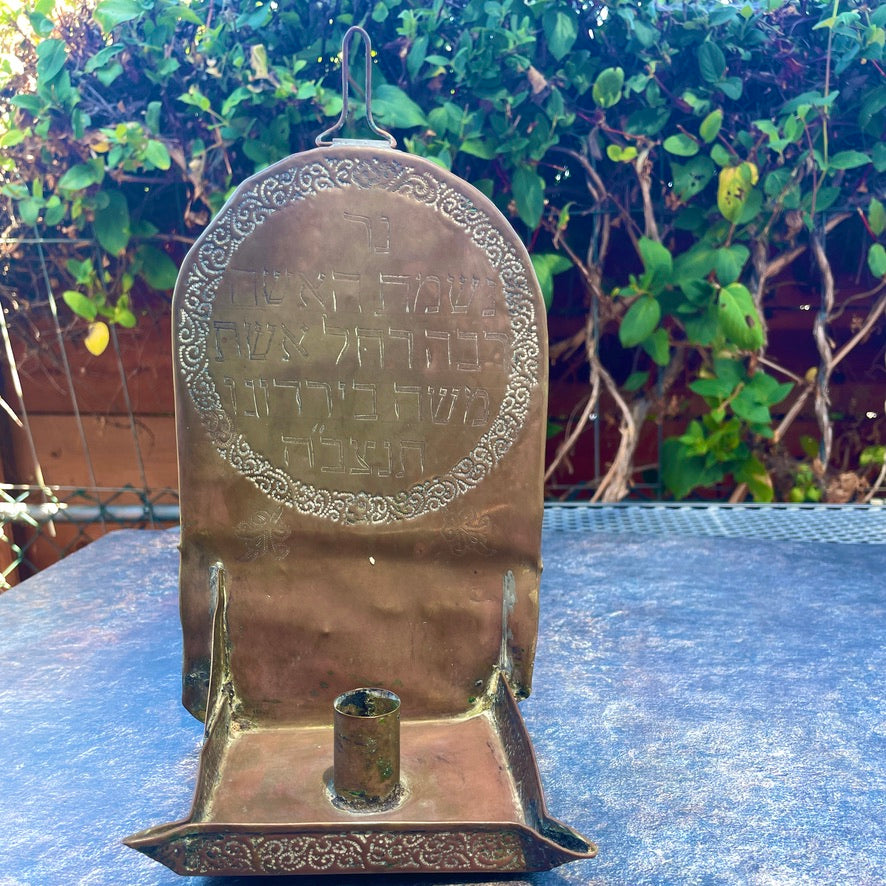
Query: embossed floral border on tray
(305, 177)
(307, 852)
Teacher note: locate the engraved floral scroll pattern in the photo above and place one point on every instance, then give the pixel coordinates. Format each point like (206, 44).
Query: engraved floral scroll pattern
(318, 853)
(468, 532)
(264, 534)
(283, 185)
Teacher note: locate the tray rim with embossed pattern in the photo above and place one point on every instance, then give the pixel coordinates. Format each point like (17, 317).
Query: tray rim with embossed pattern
(329, 842)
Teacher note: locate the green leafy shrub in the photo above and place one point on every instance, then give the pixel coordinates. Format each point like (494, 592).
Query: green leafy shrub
(676, 158)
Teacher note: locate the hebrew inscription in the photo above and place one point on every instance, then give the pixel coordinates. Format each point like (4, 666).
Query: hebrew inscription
(358, 337)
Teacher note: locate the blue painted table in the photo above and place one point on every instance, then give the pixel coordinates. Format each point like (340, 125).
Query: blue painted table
(709, 710)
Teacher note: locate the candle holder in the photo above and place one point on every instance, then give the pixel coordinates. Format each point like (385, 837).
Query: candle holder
(361, 377)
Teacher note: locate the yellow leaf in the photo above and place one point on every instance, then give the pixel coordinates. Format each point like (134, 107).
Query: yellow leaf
(752, 171)
(732, 188)
(97, 338)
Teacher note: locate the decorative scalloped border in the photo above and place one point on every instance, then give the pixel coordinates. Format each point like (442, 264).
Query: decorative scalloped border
(286, 183)
(355, 852)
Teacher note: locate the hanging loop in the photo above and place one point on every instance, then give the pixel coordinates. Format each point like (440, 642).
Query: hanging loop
(322, 140)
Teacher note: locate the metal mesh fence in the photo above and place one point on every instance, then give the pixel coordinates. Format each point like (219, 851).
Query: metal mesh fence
(40, 525)
(843, 524)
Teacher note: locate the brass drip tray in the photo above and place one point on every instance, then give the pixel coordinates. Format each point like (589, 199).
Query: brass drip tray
(470, 802)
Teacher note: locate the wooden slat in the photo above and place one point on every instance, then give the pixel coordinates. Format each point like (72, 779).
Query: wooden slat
(146, 354)
(111, 447)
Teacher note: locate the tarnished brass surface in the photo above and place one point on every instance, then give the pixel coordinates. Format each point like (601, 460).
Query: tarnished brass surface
(366, 748)
(361, 409)
(361, 406)
(472, 802)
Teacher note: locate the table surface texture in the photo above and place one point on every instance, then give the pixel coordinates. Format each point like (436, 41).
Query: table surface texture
(709, 710)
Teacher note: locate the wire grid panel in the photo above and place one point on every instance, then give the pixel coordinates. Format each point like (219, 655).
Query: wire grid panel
(842, 524)
(41, 525)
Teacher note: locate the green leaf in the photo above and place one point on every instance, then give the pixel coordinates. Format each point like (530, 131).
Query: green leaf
(33, 104)
(528, 188)
(79, 177)
(877, 216)
(639, 322)
(758, 480)
(647, 121)
(50, 60)
(694, 264)
(156, 267)
(729, 261)
(106, 76)
(877, 260)
(711, 62)
(560, 30)
(848, 160)
(16, 190)
(721, 156)
(545, 279)
(393, 107)
(794, 128)
(124, 316)
(235, 98)
(731, 371)
(157, 155)
(12, 138)
(111, 224)
(636, 380)
(152, 116)
(681, 472)
(704, 328)
(657, 263)
(29, 211)
(110, 13)
(43, 25)
(824, 198)
(645, 33)
(81, 271)
(745, 405)
(776, 182)
(478, 147)
(416, 58)
(872, 455)
(738, 317)
(102, 57)
(714, 388)
(710, 126)
(81, 305)
(195, 98)
(657, 346)
(732, 87)
(607, 87)
(618, 154)
(691, 178)
(54, 211)
(681, 145)
(546, 265)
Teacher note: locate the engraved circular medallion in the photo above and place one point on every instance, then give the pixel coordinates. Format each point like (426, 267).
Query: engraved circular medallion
(358, 335)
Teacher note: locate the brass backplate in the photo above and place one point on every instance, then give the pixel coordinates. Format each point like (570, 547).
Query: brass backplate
(361, 385)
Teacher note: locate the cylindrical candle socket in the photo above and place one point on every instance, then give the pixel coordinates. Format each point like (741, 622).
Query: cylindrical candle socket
(366, 746)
